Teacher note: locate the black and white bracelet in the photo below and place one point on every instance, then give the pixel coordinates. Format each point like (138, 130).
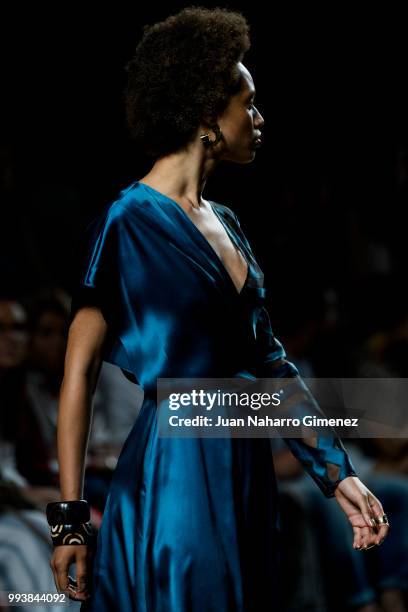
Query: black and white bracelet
(70, 522)
(70, 512)
(84, 533)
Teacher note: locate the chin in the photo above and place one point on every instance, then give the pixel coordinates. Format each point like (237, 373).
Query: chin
(244, 160)
(251, 157)
(244, 156)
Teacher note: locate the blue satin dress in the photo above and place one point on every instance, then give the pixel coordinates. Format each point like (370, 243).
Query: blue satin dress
(190, 524)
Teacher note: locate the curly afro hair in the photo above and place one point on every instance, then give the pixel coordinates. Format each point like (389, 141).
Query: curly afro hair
(183, 72)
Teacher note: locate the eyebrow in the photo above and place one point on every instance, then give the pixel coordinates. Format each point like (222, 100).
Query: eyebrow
(251, 94)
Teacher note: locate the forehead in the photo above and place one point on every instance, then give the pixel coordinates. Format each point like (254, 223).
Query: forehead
(247, 82)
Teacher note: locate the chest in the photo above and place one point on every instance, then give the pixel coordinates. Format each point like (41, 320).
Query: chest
(214, 231)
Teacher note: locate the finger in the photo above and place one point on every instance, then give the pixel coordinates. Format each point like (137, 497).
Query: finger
(365, 537)
(357, 522)
(376, 507)
(367, 512)
(382, 529)
(357, 543)
(81, 573)
(71, 590)
(378, 512)
(371, 539)
(62, 576)
(382, 533)
(73, 593)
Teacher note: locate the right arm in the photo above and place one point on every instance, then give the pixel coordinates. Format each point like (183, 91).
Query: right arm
(83, 360)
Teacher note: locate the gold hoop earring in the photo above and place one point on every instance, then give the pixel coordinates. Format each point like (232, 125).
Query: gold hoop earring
(205, 138)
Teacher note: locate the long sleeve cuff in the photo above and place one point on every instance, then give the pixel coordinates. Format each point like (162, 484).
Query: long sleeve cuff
(328, 463)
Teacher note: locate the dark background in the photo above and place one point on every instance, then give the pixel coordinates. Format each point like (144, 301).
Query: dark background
(323, 204)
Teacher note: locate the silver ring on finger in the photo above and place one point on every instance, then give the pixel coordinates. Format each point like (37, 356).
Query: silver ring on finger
(383, 520)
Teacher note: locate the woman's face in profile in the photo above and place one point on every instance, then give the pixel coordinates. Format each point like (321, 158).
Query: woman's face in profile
(241, 123)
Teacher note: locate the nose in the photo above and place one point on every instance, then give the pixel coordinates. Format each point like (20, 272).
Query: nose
(259, 120)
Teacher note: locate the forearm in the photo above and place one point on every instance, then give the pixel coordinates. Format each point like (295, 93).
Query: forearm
(322, 454)
(74, 424)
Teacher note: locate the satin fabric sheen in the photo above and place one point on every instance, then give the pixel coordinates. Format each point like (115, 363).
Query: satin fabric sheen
(190, 524)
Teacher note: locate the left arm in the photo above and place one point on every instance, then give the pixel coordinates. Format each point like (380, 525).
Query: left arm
(323, 457)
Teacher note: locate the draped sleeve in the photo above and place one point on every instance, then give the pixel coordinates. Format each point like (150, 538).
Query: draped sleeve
(97, 265)
(97, 280)
(323, 457)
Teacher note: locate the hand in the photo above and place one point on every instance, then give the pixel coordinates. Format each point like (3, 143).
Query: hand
(362, 509)
(82, 556)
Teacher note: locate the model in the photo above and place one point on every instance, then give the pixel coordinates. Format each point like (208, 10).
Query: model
(170, 288)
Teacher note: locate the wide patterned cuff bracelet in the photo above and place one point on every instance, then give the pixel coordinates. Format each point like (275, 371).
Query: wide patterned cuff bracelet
(83, 533)
(72, 512)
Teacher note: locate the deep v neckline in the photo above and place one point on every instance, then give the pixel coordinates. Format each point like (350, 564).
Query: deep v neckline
(205, 240)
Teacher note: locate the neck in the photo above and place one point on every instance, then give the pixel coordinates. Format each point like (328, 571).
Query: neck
(182, 176)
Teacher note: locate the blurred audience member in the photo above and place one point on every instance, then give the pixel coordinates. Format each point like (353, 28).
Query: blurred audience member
(13, 352)
(115, 404)
(25, 543)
